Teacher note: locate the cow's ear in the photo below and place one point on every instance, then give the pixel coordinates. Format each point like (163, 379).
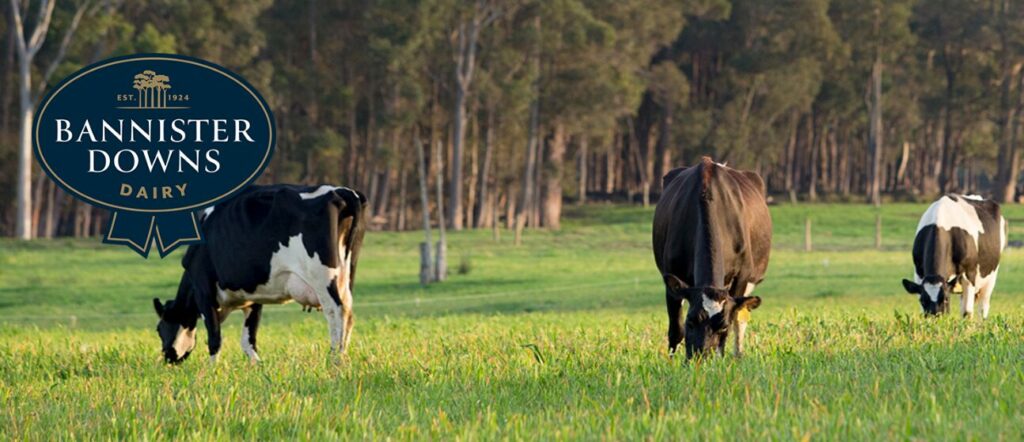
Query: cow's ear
(748, 302)
(673, 283)
(911, 287)
(952, 281)
(158, 307)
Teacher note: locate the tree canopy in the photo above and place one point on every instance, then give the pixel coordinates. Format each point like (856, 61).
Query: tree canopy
(563, 100)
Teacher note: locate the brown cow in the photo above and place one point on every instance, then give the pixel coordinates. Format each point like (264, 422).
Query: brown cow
(712, 238)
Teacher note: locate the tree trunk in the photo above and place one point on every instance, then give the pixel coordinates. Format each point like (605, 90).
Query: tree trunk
(1009, 158)
(37, 207)
(812, 146)
(634, 160)
(526, 201)
(353, 147)
(662, 150)
(876, 131)
(458, 138)
(495, 228)
(901, 171)
(426, 264)
(581, 192)
(51, 209)
(24, 185)
(535, 207)
(552, 210)
(609, 165)
(474, 176)
(401, 204)
(485, 167)
(945, 169)
(441, 255)
(510, 206)
(87, 214)
(522, 212)
(791, 158)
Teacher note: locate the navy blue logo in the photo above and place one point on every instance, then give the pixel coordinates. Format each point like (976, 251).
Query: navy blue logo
(154, 138)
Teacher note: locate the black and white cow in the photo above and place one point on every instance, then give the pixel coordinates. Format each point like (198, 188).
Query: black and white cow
(712, 238)
(267, 245)
(958, 243)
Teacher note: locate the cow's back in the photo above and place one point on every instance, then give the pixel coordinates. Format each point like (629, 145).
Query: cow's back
(959, 234)
(243, 233)
(731, 203)
(676, 217)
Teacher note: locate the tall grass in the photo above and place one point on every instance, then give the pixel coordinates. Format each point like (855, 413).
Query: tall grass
(561, 338)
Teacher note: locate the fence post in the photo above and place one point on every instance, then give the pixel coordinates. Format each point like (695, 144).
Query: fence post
(807, 235)
(426, 267)
(878, 231)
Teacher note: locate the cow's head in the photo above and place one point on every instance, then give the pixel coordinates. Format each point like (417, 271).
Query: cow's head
(710, 314)
(933, 292)
(178, 337)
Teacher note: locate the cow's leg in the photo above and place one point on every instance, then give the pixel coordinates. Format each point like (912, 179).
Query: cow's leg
(331, 302)
(252, 322)
(967, 301)
(740, 329)
(675, 328)
(739, 325)
(985, 295)
(212, 319)
(347, 318)
(206, 302)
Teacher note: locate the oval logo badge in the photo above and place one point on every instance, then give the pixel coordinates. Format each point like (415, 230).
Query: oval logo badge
(154, 138)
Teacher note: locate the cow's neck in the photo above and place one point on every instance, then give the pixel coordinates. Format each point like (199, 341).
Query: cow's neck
(937, 256)
(184, 306)
(708, 259)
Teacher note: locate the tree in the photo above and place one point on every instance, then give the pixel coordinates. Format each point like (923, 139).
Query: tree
(1009, 30)
(466, 38)
(793, 89)
(952, 34)
(27, 48)
(889, 31)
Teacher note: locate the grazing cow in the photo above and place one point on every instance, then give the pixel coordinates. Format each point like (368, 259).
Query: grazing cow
(958, 243)
(712, 238)
(267, 245)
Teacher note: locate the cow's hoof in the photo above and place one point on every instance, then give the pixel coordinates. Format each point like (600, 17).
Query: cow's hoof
(338, 357)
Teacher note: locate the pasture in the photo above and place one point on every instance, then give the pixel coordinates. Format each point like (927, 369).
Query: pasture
(562, 337)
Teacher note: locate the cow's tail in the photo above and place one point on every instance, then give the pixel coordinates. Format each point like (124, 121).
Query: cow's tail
(355, 205)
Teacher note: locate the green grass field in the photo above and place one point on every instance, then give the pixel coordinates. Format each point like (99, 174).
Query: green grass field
(561, 338)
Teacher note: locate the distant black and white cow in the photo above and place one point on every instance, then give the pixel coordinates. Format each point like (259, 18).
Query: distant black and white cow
(958, 243)
(712, 238)
(267, 245)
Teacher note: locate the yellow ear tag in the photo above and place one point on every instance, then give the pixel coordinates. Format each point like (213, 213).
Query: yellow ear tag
(958, 288)
(743, 315)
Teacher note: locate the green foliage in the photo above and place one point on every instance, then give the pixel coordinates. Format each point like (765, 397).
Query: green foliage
(761, 84)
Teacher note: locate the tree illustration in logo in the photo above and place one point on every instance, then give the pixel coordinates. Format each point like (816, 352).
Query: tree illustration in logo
(160, 87)
(139, 84)
(152, 89)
